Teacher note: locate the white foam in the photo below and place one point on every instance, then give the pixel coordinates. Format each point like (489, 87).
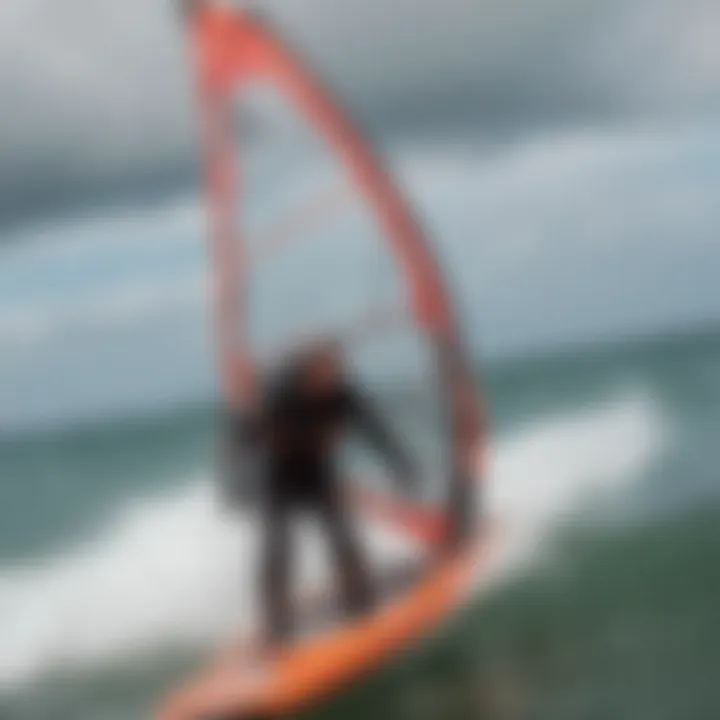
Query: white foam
(172, 569)
(559, 471)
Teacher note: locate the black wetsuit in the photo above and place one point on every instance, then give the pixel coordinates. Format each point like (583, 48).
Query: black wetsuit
(296, 432)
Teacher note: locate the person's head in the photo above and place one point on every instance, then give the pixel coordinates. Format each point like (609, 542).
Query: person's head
(324, 365)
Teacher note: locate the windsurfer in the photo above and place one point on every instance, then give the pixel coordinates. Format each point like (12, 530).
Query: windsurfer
(295, 427)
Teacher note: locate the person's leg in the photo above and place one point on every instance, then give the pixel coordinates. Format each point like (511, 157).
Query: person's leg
(276, 573)
(354, 577)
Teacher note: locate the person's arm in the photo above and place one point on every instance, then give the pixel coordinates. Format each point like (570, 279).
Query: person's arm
(368, 421)
(247, 427)
(241, 435)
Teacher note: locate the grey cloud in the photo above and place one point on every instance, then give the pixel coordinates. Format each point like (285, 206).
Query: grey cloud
(94, 101)
(512, 60)
(95, 94)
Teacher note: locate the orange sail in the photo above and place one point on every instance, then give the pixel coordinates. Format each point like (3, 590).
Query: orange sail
(234, 51)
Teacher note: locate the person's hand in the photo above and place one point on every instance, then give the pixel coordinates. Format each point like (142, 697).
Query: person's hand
(409, 477)
(242, 382)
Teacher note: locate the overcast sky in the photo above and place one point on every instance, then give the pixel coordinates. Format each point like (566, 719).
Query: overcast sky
(95, 95)
(575, 193)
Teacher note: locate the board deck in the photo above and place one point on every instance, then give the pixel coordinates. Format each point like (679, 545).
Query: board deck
(242, 684)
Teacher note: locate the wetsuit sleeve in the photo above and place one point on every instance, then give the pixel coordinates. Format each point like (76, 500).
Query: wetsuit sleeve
(247, 429)
(367, 420)
(242, 434)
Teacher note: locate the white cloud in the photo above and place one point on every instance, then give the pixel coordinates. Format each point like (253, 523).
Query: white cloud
(536, 237)
(97, 93)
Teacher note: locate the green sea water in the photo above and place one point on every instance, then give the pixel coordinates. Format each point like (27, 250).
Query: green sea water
(611, 613)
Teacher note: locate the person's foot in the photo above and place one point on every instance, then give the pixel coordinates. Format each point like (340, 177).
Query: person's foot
(359, 598)
(266, 653)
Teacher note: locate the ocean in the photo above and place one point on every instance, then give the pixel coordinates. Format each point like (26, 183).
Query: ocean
(119, 572)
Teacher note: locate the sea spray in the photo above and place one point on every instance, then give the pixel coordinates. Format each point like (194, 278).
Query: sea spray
(176, 569)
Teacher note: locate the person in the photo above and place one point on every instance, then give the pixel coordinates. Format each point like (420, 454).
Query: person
(296, 426)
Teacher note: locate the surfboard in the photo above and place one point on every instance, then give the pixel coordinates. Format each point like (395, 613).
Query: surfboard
(238, 58)
(241, 683)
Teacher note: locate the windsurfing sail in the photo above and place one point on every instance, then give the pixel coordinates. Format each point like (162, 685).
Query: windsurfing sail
(310, 238)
